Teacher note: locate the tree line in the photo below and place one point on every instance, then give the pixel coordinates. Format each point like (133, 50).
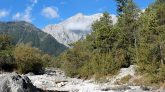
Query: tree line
(138, 38)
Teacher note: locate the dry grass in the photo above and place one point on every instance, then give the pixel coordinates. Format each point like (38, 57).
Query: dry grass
(123, 80)
(146, 80)
(162, 86)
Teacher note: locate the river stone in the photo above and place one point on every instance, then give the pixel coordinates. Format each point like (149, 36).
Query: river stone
(15, 83)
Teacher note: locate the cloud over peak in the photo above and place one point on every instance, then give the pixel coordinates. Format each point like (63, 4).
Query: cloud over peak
(50, 12)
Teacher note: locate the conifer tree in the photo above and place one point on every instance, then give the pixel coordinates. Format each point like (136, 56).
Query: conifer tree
(128, 27)
(102, 35)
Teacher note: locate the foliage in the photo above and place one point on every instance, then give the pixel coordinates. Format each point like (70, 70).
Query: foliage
(102, 35)
(128, 33)
(151, 49)
(137, 38)
(6, 56)
(29, 59)
(21, 57)
(96, 54)
(74, 59)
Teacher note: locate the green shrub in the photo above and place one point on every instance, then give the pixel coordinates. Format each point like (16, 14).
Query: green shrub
(28, 59)
(7, 62)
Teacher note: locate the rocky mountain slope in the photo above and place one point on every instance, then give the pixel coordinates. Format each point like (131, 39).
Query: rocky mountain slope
(73, 28)
(23, 32)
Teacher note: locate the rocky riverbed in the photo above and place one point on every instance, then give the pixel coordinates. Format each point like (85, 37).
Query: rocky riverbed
(55, 80)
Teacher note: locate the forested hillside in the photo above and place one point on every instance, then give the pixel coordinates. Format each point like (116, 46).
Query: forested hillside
(23, 32)
(137, 38)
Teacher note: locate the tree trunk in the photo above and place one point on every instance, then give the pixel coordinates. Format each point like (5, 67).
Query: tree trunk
(161, 54)
(135, 45)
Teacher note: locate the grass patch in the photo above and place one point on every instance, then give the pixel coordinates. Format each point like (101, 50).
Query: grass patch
(123, 80)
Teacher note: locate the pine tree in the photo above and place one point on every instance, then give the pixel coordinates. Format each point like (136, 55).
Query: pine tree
(127, 24)
(121, 4)
(160, 1)
(159, 32)
(102, 36)
(152, 42)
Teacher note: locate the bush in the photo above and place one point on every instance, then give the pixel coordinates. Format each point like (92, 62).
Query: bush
(71, 63)
(28, 59)
(88, 64)
(103, 65)
(22, 57)
(7, 62)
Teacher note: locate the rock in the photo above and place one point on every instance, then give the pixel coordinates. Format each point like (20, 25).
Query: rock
(116, 88)
(30, 74)
(61, 84)
(123, 73)
(160, 90)
(41, 90)
(145, 88)
(16, 83)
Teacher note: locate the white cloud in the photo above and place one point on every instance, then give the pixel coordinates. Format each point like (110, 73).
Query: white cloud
(50, 12)
(4, 13)
(26, 15)
(16, 16)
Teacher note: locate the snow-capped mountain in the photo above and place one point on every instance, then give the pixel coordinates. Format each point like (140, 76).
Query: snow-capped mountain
(73, 28)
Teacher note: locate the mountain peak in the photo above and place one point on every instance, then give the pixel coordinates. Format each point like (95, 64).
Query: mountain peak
(79, 14)
(73, 28)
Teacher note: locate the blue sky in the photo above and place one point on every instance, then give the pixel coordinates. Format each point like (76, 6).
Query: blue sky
(44, 12)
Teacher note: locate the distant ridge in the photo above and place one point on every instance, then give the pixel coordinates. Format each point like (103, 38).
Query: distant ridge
(24, 32)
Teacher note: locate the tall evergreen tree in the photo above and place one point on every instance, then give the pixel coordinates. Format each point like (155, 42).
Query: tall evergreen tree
(152, 42)
(120, 6)
(102, 36)
(127, 24)
(152, 31)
